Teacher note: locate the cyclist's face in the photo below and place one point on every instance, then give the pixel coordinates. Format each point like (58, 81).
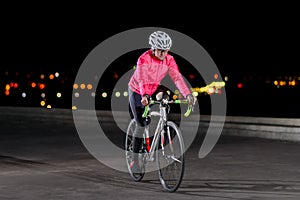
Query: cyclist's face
(161, 54)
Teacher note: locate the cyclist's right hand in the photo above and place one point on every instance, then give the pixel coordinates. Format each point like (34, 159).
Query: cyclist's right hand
(144, 100)
(191, 99)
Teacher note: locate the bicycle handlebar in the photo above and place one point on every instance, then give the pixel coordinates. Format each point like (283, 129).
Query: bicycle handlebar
(186, 114)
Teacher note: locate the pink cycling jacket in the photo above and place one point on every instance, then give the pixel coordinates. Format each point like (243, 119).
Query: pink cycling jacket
(150, 71)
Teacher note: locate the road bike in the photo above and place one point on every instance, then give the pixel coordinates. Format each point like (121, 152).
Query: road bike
(165, 147)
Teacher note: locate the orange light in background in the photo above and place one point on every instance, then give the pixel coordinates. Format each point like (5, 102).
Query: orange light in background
(42, 86)
(89, 86)
(75, 86)
(292, 83)
(82, 86)
(239, 85)
(6, 92)
(43, 103)
(275, 82)
(33, 84)
(42, 76)
(282, 83)
(16, 85)
(51, 76)
(216, 76)
(7, 87)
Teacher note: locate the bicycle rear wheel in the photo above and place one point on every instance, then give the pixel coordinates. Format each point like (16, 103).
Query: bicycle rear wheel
(170, 157)
(129, 153)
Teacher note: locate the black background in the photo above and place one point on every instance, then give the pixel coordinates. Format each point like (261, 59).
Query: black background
(258, 42)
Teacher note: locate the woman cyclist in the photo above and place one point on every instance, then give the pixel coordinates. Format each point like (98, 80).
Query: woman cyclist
(152, 66)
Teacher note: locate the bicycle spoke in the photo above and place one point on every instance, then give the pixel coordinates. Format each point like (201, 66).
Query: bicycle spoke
(173, 157)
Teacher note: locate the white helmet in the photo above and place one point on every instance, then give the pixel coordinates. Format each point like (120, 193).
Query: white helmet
(160, 40)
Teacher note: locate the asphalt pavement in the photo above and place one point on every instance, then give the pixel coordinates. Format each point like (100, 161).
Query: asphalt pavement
(45, 158)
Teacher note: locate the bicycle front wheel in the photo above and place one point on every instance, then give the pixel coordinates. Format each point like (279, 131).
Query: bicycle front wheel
(170, 157)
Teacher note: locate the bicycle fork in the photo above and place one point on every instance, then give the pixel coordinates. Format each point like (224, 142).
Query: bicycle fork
(170, 145)
(150, 147)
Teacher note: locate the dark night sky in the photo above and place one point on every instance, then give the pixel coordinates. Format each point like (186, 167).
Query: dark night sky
(240, 42)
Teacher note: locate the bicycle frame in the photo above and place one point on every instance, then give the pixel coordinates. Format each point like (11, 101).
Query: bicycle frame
(163, 118)
(159, 127)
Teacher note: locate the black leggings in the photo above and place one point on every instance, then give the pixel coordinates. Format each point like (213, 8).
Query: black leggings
(136, 108)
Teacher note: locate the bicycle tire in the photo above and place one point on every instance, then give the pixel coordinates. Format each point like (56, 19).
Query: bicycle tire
(129, 153)
(170, 162)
